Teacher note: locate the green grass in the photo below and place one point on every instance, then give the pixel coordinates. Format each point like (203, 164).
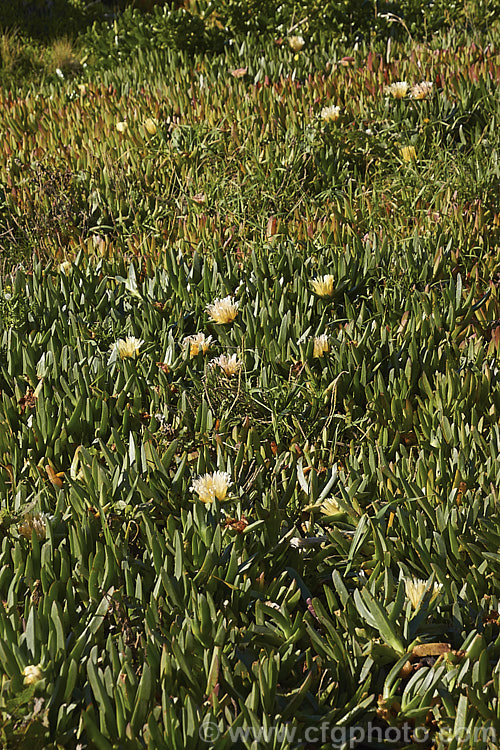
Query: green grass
(143, 612)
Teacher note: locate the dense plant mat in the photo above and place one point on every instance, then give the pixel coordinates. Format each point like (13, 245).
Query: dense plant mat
(250, 400)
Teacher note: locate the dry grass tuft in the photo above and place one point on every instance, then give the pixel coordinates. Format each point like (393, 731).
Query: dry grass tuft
(62, 55)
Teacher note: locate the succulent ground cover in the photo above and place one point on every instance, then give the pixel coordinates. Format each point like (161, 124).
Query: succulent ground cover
(250, 397)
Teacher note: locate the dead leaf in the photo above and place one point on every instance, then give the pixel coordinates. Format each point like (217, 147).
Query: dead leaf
(430, 649)
(272, 227)
(406, 670)
(404, 321)
(55, 479)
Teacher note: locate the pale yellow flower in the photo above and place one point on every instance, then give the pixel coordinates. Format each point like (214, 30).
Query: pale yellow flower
(151, 125)
(211, 486)
(121, 126)
(408, 153)
(397, 90)
(331, 507)
(128, 347)
(65, 267)
(421, 90)
(221, 483)
(323, 286)
(198, 342)
(415, 588)
(231, 365)
(321, 345)
(223, 310)
(75, 472)
(296, 43)
(30, 523)
(331, 113)
(32, 673)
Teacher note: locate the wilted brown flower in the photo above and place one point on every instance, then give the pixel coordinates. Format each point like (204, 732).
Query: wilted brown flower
(30, 523)
(238, 525)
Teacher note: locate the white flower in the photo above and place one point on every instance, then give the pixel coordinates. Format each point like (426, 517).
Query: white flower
(300, 543)
(128, 347)
(121, 126)
(398, 90)
(415, 588)
(421, 90)
(331, 113)
(296, 43)
(231, 365)
(196, 343)
(211, 486)
(223, 310)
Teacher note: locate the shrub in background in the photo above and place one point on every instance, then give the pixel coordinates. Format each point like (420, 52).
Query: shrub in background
(46, 19)
(208, 25)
